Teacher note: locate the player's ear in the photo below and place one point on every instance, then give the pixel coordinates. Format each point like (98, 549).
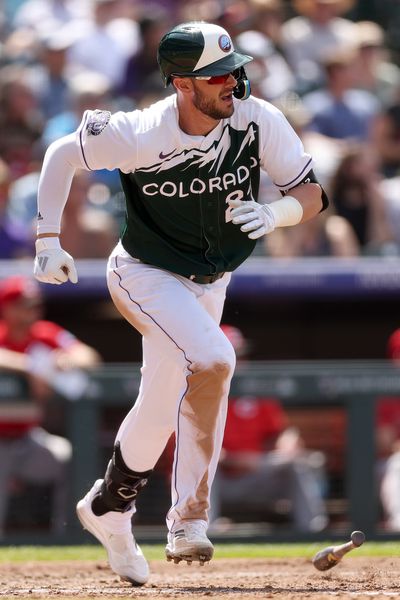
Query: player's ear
(183, 84)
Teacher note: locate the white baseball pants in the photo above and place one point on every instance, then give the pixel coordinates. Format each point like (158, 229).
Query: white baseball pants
(187, 367)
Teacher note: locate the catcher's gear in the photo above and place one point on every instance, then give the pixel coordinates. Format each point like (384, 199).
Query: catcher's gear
(52, 264)
(201, 49)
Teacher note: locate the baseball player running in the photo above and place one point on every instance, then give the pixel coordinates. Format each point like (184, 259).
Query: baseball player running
(190, 167)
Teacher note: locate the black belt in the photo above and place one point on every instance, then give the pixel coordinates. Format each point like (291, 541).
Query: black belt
(198, 278)
(205, 278)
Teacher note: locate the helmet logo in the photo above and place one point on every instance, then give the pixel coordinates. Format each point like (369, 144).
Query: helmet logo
(225, 43)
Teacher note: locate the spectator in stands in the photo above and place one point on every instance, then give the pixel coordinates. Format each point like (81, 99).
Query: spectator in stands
(386, 139)
(390, 190)
(85, 89)
(263, 461)
(198, 10)
(332, 235)
(338, 110)
(319, 28)
(105, 42)
(269, 73)
(21, 201)
(90, 213)
(357, 197)
(88, 232)
(393, 348)
(141, 74)
(50, 74)
(21, 122)
(51, 359)
(327, 151)
(235, 16)
(15, 238)
(268, 18)
(48, 15)
(375, 73)
(388, 445)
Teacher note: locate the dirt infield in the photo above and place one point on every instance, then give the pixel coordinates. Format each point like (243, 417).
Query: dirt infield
(233, 579)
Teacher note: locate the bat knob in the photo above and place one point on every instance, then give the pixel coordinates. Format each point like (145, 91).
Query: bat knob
(358, 538)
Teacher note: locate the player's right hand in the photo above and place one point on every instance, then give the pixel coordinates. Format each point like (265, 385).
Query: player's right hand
(52, 264)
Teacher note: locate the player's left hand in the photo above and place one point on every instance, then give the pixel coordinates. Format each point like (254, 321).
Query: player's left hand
(255, 219)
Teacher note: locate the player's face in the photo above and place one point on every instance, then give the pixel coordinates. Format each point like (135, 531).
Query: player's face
(215, 101)
(22, 312)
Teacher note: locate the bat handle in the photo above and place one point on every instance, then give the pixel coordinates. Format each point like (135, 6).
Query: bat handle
(340, 551)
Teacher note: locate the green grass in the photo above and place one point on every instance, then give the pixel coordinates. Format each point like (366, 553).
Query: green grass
(156, 552)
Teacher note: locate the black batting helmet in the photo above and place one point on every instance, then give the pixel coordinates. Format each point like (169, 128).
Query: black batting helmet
(198, 48)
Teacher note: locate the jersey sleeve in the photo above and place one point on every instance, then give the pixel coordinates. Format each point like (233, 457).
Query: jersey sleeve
(281, 151)
(108, 141)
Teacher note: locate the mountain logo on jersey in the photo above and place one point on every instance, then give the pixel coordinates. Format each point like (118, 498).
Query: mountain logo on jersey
(98, 121)
(213, 157)
(229, 164)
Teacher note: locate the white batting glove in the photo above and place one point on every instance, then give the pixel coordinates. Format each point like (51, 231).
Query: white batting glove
(52, 264)
(255, 219)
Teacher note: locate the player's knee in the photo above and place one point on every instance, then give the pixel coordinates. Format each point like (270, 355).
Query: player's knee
(221, 368)
(220, 364)
(223, 359)
(215, 372)
(213, 369)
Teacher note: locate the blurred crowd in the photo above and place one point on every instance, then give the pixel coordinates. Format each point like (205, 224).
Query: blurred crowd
(331, 66)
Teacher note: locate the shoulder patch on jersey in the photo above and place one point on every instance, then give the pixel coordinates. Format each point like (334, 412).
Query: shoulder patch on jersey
(98, 121)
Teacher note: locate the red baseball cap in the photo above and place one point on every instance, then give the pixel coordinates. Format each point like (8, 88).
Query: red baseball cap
(393, 346)
(17, 287)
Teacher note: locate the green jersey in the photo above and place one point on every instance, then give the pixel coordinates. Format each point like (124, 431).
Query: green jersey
(177, 186)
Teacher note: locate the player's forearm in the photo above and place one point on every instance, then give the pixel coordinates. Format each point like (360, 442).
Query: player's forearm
(82, 356)
(309, 195)
(13, 361)
(59, 165)
(298, 205)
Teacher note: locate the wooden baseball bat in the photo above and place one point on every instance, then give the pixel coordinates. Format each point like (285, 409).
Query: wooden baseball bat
(330, 556)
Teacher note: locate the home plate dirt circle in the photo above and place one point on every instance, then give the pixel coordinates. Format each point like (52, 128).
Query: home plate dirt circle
(228, 579)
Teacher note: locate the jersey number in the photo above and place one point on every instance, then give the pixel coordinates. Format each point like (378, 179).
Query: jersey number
(236, 195)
